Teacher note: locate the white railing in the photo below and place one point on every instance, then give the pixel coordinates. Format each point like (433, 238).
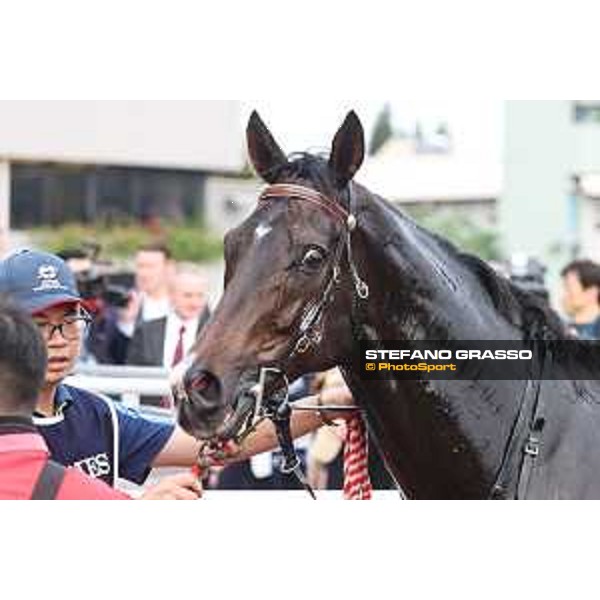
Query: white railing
(130, 383)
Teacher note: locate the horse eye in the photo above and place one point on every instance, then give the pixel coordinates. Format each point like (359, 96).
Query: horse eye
(313, 259)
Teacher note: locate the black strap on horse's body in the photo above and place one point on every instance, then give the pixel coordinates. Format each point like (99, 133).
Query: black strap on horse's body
(280, 413)
(49, 481)
(523, 447)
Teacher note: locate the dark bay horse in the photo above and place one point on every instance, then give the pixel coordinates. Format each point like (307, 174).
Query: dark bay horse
(323, 263)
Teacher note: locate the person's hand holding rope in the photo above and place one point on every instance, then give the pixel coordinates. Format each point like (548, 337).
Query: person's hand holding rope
(183, 486)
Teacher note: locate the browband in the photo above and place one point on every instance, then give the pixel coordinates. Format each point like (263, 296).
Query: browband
(290, 190)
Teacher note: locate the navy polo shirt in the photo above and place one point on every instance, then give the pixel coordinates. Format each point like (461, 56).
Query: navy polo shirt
(588, 331)
(104, 439)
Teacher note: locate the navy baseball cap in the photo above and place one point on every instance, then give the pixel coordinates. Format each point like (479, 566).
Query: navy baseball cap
(37, 280)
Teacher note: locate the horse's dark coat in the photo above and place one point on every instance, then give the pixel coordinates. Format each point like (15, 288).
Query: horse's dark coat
(441, 439)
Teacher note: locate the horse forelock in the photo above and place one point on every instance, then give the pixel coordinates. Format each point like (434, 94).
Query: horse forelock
(308, 169)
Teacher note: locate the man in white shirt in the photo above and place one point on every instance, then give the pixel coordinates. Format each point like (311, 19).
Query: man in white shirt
(188, 294)
(167, 340)
(150, 300)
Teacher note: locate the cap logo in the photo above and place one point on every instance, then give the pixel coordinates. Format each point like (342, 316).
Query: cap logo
(47, 278)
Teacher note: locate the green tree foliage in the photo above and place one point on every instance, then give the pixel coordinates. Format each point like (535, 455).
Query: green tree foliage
(382, 130)
(188, 241)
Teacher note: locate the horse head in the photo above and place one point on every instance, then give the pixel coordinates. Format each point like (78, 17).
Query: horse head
(284, 266)
(293, 302)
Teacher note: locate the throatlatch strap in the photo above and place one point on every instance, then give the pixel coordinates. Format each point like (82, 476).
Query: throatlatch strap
(49, 481)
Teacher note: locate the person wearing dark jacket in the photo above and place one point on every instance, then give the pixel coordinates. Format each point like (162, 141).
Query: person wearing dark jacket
(166, 341)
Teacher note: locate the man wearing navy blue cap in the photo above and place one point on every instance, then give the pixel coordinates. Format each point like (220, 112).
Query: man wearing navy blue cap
(36, 281)
(102, 438)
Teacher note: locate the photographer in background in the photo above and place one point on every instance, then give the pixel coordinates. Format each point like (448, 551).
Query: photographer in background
(154, 268)
(147, 300)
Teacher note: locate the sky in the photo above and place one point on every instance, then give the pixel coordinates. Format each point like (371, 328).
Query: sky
(298, 125)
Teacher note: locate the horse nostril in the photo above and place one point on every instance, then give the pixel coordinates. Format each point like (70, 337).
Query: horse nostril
(200, 382)
(202, 385)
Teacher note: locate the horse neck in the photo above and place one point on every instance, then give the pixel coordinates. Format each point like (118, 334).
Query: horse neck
(428, 289)
(442, 438)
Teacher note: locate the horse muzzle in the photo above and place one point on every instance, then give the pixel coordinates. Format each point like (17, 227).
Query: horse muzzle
(201, 408)
(204, 410)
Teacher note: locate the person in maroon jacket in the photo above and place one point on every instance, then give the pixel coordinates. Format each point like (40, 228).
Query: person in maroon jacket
(26, 472)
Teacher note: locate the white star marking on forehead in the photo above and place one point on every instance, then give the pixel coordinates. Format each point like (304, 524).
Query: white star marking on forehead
(261, 231)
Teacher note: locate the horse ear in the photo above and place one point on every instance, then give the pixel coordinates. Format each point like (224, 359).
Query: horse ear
(265, 153)
(347, 150)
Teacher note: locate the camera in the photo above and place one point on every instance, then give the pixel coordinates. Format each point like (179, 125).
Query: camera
(112, 288)
(97, 281)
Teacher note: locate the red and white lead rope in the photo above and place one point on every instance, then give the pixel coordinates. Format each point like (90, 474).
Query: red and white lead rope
(357, 483)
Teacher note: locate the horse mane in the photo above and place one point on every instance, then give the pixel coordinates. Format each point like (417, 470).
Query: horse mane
(523, 309)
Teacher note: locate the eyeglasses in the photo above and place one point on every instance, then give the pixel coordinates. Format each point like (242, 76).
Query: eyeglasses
(71, 328)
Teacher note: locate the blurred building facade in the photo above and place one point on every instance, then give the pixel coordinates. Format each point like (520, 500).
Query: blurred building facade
(108, 160)
(550, 203)
(229, 200)
(435, 179)
(421, 178)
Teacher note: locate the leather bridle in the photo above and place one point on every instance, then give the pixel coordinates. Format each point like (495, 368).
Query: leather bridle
(310, 329)
(309, 333)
